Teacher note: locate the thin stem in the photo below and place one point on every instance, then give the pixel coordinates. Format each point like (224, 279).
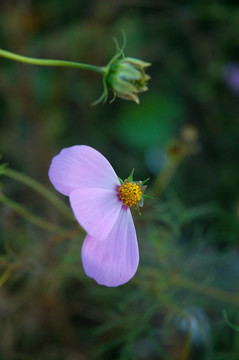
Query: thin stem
(5, 275)
(177, 151)
(180, 281)
(19, 209)
(50, 62)
(26, 180)
(207, 290)
(229, 323)
(164, 177)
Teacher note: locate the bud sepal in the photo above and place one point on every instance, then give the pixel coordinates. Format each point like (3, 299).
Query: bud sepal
(125, 77)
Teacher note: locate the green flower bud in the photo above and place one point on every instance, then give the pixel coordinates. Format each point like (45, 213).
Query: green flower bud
(126, 78)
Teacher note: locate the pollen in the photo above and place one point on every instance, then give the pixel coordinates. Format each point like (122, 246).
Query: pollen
(130, 193)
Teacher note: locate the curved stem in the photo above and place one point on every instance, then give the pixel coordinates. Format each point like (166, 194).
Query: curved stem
(28, 181)
(207, 290)
(164, 177)
(20, 210)
(180, 281)
(49, 62)
(5, 275)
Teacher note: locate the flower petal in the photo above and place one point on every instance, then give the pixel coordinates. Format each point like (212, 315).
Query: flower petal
(96, 210)
(114, 261)
(81, 166)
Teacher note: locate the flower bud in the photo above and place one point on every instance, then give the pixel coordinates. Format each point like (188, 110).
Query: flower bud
(126, 78)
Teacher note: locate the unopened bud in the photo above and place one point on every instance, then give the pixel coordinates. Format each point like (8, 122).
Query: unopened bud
(126, 78)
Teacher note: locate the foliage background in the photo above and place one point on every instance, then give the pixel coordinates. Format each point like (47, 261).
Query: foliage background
(188, 238)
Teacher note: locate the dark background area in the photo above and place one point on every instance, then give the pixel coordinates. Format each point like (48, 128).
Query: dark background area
(188, 238)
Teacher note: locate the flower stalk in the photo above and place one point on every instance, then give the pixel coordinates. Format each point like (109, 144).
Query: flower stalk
(36, 186)
(49, 62)
(22, 211)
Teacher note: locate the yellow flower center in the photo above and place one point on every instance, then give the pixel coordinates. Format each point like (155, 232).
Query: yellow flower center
(130, 193)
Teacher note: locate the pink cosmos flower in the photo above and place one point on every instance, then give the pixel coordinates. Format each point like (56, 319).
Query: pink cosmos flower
(100, 203)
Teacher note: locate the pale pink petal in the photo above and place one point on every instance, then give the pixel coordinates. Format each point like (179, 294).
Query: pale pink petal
(81, 166)
(96, 210)
(114, 261)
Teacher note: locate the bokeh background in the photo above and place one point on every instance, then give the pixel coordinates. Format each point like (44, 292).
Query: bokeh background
(183, 135)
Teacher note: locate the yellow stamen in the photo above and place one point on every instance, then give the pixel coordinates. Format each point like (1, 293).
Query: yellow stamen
(130, 193)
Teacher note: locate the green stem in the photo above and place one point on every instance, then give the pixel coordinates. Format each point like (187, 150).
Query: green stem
(50, 62)
(20, 210)
(26, 180)
(229, 323)
(5, 275)
(163, 179)
(180, 281)
(206, 290)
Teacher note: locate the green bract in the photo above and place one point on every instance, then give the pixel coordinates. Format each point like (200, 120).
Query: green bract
(125, 76)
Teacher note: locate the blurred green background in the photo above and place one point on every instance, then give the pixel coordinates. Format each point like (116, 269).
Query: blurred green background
(185, 292)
